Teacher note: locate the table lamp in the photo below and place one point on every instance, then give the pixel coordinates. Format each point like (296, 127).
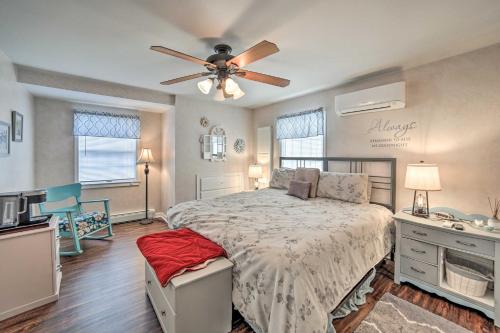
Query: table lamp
(255, 172)
(146, 158)
(422, 178)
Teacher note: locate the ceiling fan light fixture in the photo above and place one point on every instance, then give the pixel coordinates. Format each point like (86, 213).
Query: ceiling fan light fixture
(231, 86)
(238, 93)
(219, 94)
(205, 85)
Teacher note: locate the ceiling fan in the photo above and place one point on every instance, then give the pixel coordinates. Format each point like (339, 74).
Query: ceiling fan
(222, 66)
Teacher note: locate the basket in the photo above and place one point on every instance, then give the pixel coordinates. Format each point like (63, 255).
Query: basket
(466, 277)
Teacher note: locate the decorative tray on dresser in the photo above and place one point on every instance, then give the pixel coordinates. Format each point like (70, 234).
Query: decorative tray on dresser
(422, 245)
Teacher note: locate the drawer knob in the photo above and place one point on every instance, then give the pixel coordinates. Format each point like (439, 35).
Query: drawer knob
(419, 233)
(418, 251)
(466, 244)
(163, 313)
(417, 270)
(149, 282)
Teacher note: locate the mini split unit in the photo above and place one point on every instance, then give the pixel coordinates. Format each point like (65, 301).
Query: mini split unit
(388, 97)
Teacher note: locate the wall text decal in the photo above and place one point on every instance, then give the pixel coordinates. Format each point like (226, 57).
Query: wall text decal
(387, 134)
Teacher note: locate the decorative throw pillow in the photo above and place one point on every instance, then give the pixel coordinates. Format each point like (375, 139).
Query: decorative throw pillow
(281, 178)
(310, 175)
(299, 189)
(352, 187)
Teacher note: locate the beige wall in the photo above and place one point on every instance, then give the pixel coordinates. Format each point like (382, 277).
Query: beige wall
(55, 159)
(17, 169)
(237, 122)
(456, 106)
(168, 160)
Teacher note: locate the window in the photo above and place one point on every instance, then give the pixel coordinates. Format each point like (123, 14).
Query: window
(106, 147)
(301, 135)
(102, 159)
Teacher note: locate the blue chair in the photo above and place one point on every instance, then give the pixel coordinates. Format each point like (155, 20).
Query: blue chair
(75, 222)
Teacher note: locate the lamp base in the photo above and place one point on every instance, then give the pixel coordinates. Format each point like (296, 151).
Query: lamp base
(420, 204)
(146, 221)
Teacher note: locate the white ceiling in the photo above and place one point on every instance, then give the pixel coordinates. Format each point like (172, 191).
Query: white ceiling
(322, 43)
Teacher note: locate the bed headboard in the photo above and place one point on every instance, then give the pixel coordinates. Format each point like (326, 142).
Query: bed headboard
(381, 172)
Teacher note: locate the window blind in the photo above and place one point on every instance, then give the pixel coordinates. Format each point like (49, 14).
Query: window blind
(301, 135)
(300, 125)
(105, 124)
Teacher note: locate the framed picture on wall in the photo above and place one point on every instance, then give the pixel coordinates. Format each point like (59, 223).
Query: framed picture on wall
(17, 126)
(4, 139)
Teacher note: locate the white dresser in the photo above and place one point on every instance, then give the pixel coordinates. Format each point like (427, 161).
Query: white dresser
(30, 269)
(421, 247)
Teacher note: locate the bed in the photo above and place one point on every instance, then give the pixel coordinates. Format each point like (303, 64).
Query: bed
(294, 261)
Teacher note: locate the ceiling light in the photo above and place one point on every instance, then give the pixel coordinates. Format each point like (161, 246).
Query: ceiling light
(205, 85)
(238, 93)
(231, 86)
(219, 94)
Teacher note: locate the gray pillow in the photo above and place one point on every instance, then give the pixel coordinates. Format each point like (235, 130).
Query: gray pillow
(310, 175)
(299, 189)
(281, 178)
(352, 187)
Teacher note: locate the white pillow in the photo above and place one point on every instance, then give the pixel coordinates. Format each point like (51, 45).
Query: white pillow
(352, 187)
(281, 178)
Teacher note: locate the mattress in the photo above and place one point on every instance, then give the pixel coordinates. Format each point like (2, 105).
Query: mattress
(294, 260)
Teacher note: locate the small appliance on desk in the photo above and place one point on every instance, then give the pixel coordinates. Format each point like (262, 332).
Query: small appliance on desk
(16, 209)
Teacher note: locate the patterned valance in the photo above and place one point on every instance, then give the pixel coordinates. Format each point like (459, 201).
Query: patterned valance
(105, 124)
(300, 125)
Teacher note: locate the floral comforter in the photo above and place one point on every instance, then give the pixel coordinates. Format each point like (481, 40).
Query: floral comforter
(294, 260)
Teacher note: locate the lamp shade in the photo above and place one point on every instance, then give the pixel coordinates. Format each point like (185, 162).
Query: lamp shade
(238, 93)
(219, 94)
(255, 171)
(146, 156)
(231, 86)
(205, 85)
(423, 177)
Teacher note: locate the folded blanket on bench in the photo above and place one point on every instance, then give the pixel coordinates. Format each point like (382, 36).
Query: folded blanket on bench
(170, 253)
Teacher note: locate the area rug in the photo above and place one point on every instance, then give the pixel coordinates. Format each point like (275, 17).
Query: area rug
(394, 315)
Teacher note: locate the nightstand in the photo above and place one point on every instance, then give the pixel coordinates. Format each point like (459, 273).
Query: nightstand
(421, 248)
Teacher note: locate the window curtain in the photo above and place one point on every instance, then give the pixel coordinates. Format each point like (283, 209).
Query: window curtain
(105, 124)
(300, 125)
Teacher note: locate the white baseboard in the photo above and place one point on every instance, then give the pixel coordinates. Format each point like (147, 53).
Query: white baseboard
(161, 215)
(131, 216)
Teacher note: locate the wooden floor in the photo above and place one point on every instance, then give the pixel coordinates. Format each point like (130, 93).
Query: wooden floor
(103, 291)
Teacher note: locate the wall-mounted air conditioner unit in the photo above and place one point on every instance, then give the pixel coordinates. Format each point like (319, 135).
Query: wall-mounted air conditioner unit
(388, 97)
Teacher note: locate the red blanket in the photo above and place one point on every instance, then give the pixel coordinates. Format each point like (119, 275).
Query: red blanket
(172, 252)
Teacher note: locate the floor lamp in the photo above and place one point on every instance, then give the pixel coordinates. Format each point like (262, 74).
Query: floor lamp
(146, 158)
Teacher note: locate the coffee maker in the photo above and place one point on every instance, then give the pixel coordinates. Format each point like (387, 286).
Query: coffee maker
(28, 215)
(17, 208)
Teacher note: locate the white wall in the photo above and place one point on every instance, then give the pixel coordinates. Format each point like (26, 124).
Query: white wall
(237, 122)
(55, 156)
(17, 169)
(456, 106)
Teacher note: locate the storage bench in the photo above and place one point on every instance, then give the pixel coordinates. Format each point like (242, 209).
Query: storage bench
(196, 301)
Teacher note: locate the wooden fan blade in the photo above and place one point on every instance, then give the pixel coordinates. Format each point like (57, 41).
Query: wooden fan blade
(181, 55)
(256, 52)
(185, 78)
(264, 78)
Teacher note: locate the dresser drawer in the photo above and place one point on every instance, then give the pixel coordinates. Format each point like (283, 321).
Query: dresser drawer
(163, 310)
(418, 250)
(472, 244)
(419, 270)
